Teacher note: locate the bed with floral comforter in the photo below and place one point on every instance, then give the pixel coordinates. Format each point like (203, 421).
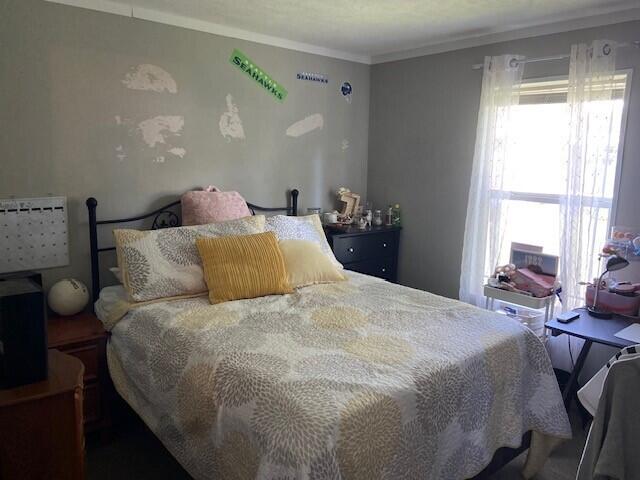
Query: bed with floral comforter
(359, 380)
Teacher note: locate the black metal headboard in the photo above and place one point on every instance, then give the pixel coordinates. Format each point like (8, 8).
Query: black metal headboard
(163, 217)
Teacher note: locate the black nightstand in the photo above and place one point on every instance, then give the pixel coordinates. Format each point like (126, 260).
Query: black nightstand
(373, 251)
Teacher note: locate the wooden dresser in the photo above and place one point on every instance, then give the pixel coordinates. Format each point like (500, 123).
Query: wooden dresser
(373, 251)
(41, 433)
(83, 337)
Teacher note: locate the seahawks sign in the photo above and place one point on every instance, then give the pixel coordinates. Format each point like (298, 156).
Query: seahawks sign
(254, 72)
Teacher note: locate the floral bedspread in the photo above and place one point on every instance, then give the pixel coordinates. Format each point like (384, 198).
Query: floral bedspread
(360, 380)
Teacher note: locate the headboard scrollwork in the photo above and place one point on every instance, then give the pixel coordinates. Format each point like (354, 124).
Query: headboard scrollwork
(165, 219)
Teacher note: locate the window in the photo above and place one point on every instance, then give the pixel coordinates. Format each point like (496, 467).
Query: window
(530, 184)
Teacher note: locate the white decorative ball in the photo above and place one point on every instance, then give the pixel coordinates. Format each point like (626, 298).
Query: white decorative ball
(68, 296)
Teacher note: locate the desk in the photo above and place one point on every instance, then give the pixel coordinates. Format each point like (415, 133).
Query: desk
(41, 434)
(590, 329)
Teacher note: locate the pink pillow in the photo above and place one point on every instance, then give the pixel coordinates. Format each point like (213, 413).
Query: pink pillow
(212, 205)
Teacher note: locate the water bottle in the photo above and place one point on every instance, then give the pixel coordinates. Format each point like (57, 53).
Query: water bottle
(396, 215)
(388, 218)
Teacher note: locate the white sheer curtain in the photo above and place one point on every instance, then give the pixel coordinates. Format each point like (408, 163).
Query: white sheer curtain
(484, 227)
(591, 164)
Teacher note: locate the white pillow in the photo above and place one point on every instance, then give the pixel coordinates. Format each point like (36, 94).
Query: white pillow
(308, 228)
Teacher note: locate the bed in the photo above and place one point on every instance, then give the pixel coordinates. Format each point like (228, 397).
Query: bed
(361, 379)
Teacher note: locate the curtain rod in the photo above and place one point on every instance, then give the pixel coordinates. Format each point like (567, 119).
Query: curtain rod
(480, 66)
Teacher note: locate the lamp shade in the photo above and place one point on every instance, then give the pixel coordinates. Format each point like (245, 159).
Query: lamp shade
(613, 263)
(616, 263)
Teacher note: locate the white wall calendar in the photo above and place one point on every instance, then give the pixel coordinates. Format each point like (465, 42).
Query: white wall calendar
(33, 233)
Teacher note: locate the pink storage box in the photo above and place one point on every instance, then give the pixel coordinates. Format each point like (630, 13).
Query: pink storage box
(536, 283)
(613, 302)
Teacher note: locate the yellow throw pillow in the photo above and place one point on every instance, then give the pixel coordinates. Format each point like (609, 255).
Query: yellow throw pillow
(245, 266)
(307, 264)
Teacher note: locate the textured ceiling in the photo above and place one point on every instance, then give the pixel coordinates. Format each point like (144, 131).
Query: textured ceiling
(375, 27)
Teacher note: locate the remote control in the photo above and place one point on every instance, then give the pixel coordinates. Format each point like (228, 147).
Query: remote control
(567, 317)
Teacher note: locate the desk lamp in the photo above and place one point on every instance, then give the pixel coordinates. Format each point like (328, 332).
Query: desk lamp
(613, 263)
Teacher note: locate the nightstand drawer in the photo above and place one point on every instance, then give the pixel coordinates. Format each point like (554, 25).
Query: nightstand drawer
(83, 337)
(88, 355)
(381, 267)
(355, 248)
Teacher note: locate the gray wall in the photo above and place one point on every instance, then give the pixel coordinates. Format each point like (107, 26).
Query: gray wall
(61, 71)
(422, 125)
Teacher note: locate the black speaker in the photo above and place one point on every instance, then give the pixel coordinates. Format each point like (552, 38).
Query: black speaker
(23, 332)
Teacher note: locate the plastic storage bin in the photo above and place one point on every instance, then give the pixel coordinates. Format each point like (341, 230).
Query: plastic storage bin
(532, 319)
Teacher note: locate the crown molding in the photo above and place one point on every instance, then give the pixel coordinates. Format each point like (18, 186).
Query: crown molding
(503, 34)
(152, 15)
(508, 34)
(107, 6)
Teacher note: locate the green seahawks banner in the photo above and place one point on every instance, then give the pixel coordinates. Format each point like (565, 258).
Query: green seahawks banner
(241, 61)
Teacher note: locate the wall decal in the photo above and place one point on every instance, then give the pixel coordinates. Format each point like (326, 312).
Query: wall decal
(230, 123)
(156, 133)
(157, 129)
(345, 144)
(254, 72)
(346, 91)
(178, 151)
(306, 125)
(126, 130)
(120, 155)
(150, 77)
(313, 77)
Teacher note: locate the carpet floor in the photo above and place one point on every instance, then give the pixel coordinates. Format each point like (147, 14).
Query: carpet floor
(134, 452)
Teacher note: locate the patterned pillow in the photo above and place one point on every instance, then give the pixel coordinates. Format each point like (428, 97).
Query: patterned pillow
(201, 207)
(308, 228)
(165, 263)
